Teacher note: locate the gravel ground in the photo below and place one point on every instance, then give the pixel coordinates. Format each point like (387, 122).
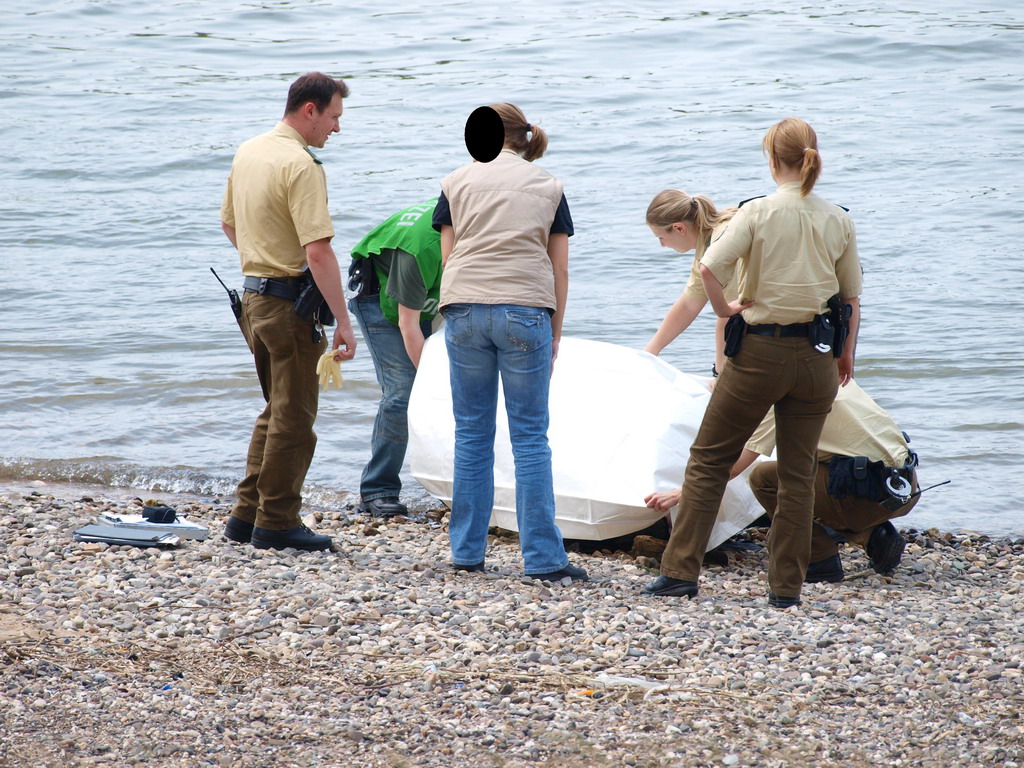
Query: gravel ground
(218, 654)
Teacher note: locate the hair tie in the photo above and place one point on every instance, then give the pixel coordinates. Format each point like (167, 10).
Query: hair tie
(807, 148)
(529, 127)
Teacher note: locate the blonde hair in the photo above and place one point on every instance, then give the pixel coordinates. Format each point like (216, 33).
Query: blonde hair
(516, 128)
(794, 144)
(673, 205)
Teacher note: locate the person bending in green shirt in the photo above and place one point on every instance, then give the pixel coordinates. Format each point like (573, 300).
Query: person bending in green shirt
(400, 263)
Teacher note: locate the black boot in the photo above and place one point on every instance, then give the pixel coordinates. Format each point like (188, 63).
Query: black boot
(885, 548)
(238, 530)
(666, 586)
(830, 569)
(299, 537)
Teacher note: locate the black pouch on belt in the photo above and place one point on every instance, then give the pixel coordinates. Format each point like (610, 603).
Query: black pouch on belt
(872, 480)
(821, 333)
(362, 277)
(310, 304)
(735, 329)
(841, 314)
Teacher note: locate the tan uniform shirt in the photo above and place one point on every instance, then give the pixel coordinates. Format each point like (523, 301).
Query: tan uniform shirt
(857, 426)
(276, 199)
(695, 285)
(502, 212)
(790, 253)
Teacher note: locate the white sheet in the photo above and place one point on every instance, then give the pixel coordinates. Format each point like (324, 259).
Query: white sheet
(622, 422)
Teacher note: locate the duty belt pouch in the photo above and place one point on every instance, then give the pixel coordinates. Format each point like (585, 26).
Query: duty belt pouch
(362, 277)
(872, 480)
(310, 304)
(735, 329)
(841, 314)
(855, 476)
(822, 334)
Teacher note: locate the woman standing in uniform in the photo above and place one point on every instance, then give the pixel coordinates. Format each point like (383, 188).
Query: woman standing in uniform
(505, 228)
(791, 251)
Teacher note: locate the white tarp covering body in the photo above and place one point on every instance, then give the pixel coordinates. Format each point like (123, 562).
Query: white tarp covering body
(622, 422)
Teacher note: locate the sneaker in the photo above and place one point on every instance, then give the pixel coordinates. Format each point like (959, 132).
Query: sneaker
(830, 570)
(666, 586)
(299, 537)
(238, 530)
(386, 506)
(569, 572)
(885, 548)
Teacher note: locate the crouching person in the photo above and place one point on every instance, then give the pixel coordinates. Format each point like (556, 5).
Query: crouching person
(865, 478)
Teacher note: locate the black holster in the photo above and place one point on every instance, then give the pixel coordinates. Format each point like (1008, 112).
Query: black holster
(841, 314)
(310, 304)
(735, 329)
(362, 277)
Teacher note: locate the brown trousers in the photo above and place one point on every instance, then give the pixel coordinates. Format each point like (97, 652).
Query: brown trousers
(283, 441)
(854, 518)
(801, 384)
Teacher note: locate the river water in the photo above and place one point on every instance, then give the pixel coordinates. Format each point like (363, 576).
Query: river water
(121, 365)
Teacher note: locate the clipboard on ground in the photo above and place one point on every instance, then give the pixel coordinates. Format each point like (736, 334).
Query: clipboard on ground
(111, 534)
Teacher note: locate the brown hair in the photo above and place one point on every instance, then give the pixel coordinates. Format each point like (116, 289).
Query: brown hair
(794, 144)
(516, 128)
(673, 205)
(316, 87)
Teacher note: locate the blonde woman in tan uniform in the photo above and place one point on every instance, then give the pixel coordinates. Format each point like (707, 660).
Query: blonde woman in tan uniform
(791, 251)
(687, 223)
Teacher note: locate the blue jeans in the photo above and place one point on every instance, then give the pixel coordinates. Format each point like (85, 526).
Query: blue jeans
(395, 374)
(485, 341)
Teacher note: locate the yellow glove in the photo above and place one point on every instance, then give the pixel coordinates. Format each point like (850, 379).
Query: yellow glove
(329, 370)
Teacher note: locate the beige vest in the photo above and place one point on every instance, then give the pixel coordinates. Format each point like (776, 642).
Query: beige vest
(502, 212)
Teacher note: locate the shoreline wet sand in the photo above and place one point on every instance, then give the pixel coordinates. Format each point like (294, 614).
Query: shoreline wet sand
(216, 654)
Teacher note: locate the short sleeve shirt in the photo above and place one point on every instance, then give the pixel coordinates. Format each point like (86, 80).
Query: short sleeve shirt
(856, 426)
(276, 200)
(695, 284)
(790, 255)
(405, 281)
(562, 225)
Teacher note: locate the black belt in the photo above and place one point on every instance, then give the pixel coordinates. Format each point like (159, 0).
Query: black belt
(796, 329)
(281, 287)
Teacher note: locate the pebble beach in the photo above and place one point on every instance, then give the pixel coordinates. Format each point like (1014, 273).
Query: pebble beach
(379, 654)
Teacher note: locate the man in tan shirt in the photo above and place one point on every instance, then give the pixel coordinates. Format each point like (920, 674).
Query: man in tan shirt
(275, 213)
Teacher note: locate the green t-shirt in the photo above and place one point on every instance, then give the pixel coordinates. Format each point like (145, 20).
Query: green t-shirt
(406, 254)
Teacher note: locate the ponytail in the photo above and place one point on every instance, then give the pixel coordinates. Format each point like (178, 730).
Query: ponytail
(673, 205)
(794, 144)
(516, 129)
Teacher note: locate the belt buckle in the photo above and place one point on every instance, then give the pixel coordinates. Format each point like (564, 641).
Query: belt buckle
(263, 286)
